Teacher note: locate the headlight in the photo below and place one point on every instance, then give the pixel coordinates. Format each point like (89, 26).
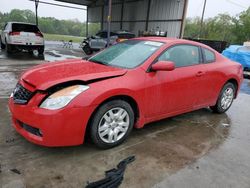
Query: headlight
(62, 97)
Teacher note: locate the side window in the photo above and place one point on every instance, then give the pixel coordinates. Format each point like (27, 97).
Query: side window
(209, 56)
(112, 34)
(102, 34)
(182, 55)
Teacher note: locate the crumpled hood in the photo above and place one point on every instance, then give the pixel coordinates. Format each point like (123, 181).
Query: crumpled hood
(47, 75)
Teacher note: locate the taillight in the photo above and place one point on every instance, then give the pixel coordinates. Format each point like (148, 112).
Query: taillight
(39, 34)
(14, 33)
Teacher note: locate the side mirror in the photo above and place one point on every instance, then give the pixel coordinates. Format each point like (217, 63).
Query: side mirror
(163, 66)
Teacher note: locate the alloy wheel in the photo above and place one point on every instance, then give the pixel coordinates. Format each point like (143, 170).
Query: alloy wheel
(113, 125)
(227, 98)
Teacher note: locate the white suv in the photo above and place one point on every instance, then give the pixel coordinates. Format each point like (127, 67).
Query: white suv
(17, 36)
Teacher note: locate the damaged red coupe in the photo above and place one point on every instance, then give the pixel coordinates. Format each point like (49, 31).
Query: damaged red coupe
(127, 85)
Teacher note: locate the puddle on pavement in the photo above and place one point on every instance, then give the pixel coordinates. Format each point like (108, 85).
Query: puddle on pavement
(8, 81)
(165, 146)
(55, 55)
(9, 76)
(49, 55)
(245, 87)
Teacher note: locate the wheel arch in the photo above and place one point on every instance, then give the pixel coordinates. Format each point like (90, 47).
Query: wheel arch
(130, 100)
(235, 83)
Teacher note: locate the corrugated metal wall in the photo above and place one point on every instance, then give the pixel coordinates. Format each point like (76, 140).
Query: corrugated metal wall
(167, 15)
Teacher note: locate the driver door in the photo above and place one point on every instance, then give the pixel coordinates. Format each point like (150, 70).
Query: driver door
(173, 92)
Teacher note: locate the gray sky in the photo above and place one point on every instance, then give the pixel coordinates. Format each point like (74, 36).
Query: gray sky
(213, 8)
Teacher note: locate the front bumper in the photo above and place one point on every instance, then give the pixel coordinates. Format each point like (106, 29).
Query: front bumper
(52, 128)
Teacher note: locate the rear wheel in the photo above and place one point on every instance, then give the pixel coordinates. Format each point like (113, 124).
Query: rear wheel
(111, 124)
(41, 50)
(87, 50)
(225, 99)
(3, 46)
(9, 48)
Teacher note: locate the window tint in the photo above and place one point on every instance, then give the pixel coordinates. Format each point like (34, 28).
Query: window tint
(126, 35)
(182, 55)
(104, 34)
(24, 27)
(208, 55)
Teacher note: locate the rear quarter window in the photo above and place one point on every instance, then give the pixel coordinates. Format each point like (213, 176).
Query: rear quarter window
(5, 26)
(209, 56)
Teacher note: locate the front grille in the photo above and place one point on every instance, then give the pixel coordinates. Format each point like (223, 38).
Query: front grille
(30, 129)
(21, 95)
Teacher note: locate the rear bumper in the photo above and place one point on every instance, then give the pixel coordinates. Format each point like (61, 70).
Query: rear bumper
(27, 47)
(52, 128)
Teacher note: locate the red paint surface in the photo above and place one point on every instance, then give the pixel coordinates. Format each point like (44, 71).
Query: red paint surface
(158, 94)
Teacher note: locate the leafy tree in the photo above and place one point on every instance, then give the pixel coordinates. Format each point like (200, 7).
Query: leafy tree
(48, 24)
(241, 27)
(221, 27)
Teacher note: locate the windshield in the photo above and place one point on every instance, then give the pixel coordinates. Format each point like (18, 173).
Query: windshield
(128, 54)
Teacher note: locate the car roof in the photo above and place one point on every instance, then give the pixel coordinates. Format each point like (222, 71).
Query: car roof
(122, 32)
(116, 32)
(22, 23)
(163, 39)
(173, 40)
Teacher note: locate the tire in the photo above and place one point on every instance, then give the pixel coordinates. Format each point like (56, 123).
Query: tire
(103, 127)
(87, 50)
(41, 50)
(9, 48)
(225, 98)
(3, 46)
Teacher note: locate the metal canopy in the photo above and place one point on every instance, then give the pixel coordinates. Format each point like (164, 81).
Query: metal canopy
(133, 15)
(78, 2)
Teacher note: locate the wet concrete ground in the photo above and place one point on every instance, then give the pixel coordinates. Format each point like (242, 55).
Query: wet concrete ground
(198, 149)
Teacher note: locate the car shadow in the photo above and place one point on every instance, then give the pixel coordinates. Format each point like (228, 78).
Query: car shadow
(23, 55)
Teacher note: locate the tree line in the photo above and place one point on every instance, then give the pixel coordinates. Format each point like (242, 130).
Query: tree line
(49, 24)
(233, 29)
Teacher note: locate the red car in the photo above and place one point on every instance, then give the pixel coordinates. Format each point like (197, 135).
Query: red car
(127, 85)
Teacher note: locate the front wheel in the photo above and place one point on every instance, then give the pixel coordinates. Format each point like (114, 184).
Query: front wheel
(112, 124)
(225, 99)
(87, 50)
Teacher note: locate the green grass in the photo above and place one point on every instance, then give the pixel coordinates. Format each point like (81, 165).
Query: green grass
(56, 37)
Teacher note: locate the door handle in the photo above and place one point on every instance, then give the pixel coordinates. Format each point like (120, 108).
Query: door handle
(200, 73)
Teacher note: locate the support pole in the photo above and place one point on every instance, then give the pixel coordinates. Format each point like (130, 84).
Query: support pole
(36, 7)
(202, 17)
(121, 20)
(87, 23)
(109, 21)
(102, 27)
(148, 12)
(183, 18)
